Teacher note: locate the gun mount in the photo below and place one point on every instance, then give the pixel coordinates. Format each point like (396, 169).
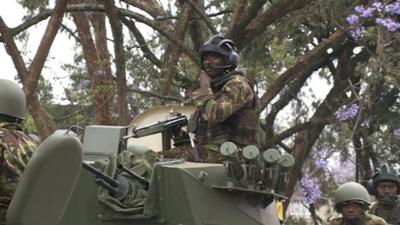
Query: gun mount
(118, 188)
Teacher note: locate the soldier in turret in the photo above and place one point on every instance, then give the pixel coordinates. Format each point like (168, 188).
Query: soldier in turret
(352, 201)
(386, 187)
(225, 102)
(16, 147)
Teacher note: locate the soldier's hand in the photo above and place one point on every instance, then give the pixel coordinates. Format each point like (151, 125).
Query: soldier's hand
(205, 80)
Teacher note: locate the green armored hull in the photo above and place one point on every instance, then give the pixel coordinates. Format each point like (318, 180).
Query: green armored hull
(55, 190)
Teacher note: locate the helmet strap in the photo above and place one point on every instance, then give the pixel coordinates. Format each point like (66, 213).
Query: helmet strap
(10, 119)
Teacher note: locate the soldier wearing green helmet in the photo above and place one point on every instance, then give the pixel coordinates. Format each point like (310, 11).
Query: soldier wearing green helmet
(352, 201)
(16, 147)
(385, 187)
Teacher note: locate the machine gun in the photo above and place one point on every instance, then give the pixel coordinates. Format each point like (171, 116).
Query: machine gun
(169, 129)
(119, 187)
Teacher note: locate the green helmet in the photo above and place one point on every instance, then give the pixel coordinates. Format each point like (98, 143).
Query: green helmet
(385, 173)
(351, 191)
(12, 100)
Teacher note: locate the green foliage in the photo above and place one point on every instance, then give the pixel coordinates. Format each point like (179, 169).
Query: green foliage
(290, 220)
(29, 125)
(34, 5)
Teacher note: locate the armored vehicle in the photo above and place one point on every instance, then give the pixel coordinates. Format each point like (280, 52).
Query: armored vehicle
(107, 176)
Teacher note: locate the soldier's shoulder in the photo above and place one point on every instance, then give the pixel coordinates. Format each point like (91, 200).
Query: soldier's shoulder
(373, 207)
(335, 220)
(375, 220)
(238, 80)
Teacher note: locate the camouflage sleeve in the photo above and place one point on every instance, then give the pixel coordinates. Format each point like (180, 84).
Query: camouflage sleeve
(16, 149)
(335, 221)
(375, 220)
(236, 93)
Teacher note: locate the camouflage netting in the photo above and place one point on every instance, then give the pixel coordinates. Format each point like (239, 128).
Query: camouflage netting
(132, 206)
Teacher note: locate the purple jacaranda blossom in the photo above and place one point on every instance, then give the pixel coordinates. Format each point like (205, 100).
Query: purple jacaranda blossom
(396, 133)
(393, 9)
(319, 157)
(377, 6)
(388, 23)
(83, 84)
(359, 9)
(310, 191)
(350, 113)
(81, 65)
(100, 72)
(352, 19)
(367, 13)
(343, 172)
(365, 123)
(357, 32)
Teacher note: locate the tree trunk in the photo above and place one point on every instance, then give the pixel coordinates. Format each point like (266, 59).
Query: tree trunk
(100, 85)
(43, 121)
(173, 56)
(116, 27)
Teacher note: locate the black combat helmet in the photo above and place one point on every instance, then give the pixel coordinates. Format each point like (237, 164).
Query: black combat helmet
(222, 46)
(385, 173)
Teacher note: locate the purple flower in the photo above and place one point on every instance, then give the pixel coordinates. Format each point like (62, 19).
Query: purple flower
(81, 66)
(349, 113)
(357, 32)
(83, 84)
(343, 171)
(359, 9)
(352, 19)
(377, 6)
(390, 24)
(310, 191)
(319, 157)
(393, 8)
(368, 12)
(396, 133)
(100, 72)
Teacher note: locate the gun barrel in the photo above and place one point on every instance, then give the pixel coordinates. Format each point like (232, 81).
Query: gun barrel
(112, 190)
(100, 175)
(143, 181)
(160, 126)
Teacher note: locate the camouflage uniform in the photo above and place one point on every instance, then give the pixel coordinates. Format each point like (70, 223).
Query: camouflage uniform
(391, 214)
(225, 112)
(367, 220)
(15, 148)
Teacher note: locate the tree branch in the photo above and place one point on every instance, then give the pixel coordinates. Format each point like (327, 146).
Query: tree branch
(242, 19)
(308, 61)
(13, 51)
(295, 129)
(70, 32)
(275, 12)
(173, 53)
(100, 8)
(116, 27)
(237, 16)
(152, 7)
(203, 16)
(142, 42)
(152, 94)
